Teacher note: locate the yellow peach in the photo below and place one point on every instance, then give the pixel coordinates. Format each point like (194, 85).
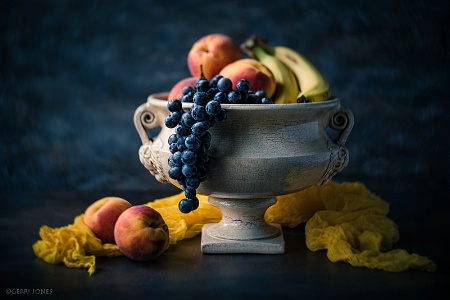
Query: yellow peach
(257, 74)
(212, 52)
(101, 217)
(141, 233)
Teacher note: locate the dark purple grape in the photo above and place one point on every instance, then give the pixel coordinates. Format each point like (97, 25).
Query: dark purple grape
(185, 206)
(243, 85)
(174, 105)
(202, 85)
(201, 98)
(224, 85)
(234, 97)
(188, 157)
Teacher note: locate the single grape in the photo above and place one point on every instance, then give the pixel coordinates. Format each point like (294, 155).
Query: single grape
(234, 97)
(182, 130)
(212, 92)
(221, 116)
(187, 120)
(221, 97)
(213, 82)
(173, 138)
(187, 98)
(187, 90)
(195, 203)
(192, 142)
(171, 162)
(198, 113)
(185, 206)
(302, 99)
(176, 158)
(266, 100)
(173, 147)
(243, 85)
(201, 98)
(190, 193)
(176, 116)
(200, 128)
(189, 170)
(252, 98)
(244, 97)
(169, 122)
(175, 172)
(201, 173)
(174, 105)
(181, 143)
(261, 94)
(182, 182)
(213, 107)
(192, 182)
(206, 138)
(188, 157)
(202, 85)
(224, 85)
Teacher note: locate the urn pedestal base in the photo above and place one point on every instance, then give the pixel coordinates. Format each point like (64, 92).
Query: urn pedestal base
(242, 228)
(213, 245)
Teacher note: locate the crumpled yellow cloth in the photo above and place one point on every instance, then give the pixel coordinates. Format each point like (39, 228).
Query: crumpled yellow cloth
(346, 219)
(75, 245)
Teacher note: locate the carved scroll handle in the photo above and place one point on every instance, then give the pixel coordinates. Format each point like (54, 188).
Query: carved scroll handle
(342, 121)
(144, 119)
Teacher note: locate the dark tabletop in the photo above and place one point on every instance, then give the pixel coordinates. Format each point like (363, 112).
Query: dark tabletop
(73, 73)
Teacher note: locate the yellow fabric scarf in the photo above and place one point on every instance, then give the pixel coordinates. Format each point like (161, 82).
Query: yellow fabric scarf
(346, 219)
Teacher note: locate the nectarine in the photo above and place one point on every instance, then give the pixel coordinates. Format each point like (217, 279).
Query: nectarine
(177, 89)
(212, 52)
(258, 75)
(101, 217)
(141, 233)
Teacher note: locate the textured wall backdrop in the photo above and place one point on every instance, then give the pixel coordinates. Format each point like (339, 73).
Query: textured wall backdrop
(73, 72)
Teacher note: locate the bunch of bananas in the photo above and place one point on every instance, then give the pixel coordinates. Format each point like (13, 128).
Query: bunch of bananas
(297, 79)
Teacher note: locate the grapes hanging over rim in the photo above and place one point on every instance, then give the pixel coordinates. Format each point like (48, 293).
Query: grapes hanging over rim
(188, 163)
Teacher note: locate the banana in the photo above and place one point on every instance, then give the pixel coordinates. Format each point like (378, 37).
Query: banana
(287, 88)
(314, 87)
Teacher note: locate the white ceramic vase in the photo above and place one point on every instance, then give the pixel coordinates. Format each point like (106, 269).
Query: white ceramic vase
(261, 151)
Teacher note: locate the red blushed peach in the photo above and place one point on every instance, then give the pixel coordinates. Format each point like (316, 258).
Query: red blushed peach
(258, 75)
(141, 233)
(101, 217)
(177, 89)
(212, 52)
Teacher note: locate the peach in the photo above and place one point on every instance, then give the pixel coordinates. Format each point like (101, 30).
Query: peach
(101, 217)
(141, 233)
(257, 74)
(212, 52)
(177, 89)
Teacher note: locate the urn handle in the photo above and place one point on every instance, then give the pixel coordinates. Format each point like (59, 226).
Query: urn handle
(149, 151)
(342, 121)
(144, 119)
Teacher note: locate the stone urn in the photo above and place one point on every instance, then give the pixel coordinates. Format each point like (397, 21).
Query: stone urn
(261, 151)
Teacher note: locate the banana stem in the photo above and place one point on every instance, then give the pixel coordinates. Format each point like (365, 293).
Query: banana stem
(256, 41)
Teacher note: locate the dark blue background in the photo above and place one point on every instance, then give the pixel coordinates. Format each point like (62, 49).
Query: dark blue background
(73, 73)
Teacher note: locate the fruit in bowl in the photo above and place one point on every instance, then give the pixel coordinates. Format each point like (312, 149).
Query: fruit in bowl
(101, 217)
(141, 233)
(257, 74)
(177, 89)
(255, 152)
(211, 53)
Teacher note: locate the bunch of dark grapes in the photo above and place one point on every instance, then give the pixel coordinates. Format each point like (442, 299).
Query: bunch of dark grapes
(191, 140)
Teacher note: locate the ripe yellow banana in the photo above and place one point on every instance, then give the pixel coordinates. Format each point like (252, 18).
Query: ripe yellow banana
(287, 88)
(314, 87)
